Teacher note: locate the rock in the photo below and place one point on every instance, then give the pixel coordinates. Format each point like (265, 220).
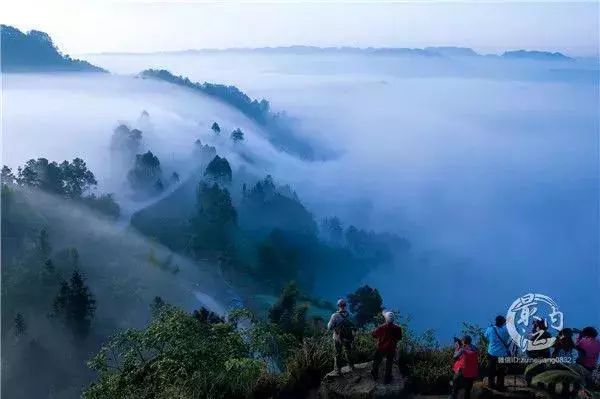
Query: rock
(516, 388)
(359, 384)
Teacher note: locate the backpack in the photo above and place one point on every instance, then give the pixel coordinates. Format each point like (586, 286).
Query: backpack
(345, 329)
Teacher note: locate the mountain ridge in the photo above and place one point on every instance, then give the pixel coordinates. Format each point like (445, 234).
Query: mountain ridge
(430, 51)
(34, 51)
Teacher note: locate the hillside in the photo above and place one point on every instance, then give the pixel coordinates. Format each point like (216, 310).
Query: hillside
(34, 51)
(279, 127)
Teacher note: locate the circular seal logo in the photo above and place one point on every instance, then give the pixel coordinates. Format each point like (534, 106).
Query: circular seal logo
(529, 318)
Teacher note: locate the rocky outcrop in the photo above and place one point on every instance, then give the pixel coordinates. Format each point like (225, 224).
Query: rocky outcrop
(359, 384)
(516, 388)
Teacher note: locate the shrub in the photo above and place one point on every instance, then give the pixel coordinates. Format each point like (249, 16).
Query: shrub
(176, 356)
(429, 370)
(308, 363)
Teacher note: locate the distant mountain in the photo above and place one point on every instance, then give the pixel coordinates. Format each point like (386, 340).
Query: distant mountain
(439, 51)
(302, 50)
(536, 55)
(450, 51)
(35, 52)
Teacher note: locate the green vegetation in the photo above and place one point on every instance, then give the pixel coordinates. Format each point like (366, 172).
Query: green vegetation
(176, 356)
(215, 220)
(216, 128)
(34, 51)
(366, 305)
(257, 110)
(185, 356)
(218, 170)
(264, 234)
(70, 180)
(146, 175)
(278, 126)
(237, 135)
(75, 305)
(126, 139)
(287, 314)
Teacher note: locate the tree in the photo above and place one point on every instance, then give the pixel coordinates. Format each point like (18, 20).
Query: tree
(366, 304)
(70, 179)
(103, 203)
(146, 173)
(157, 306)
(40, 173)
(20, 326)
(76, 177)
(7, 175)
(215, 220)
(332, 227)
(204, 315)
(76, 305)
(216, 128)
(219, 170)
(266, 207)
(237, 135)
(277, 260)
(286, 312)
(374, 247)
(176, 356)
(125, 139)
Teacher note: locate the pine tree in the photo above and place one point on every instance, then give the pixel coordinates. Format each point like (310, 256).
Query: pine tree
(237, 135)
(216, 128)
(82, 306)
(76, 305)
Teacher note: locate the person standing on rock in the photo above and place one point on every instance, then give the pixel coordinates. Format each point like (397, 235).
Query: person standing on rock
(465, 367)
(498, 340)
(343, 335)
(388, 334)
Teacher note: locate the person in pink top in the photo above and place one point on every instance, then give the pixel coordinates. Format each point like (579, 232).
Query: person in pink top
(589, 347)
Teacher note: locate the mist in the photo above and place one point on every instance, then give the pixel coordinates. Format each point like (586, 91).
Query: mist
(489, 167)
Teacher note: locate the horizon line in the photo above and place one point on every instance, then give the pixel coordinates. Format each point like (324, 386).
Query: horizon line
(334, 48)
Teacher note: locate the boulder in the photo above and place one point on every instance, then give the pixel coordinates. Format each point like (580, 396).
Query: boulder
(516, 388)
(359, 384)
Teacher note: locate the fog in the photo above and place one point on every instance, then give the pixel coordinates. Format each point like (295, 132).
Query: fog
(488, 166)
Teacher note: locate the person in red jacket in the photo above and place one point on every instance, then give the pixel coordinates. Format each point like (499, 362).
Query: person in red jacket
(388, 334)
(465, 367)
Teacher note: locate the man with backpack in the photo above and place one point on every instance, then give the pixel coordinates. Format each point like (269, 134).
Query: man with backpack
(343, 335)
(388, 334)
(498, 340)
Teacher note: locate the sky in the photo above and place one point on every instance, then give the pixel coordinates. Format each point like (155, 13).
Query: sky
(145, 26)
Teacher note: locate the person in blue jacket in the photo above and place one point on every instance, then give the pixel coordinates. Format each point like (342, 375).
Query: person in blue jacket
(498, 341)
